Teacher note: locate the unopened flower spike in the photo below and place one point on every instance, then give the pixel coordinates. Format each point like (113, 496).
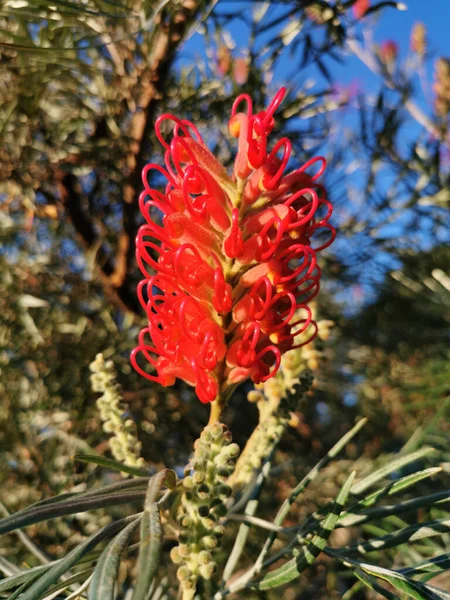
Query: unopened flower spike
(230, 270)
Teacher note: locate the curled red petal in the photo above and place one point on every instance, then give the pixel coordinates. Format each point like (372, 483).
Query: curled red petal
(234, 244)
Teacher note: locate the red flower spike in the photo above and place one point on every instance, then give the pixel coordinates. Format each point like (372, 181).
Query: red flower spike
(230, 271)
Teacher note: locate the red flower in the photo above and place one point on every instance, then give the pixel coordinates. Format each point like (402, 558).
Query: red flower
(388, 51)
(230, 272)
(360, 8)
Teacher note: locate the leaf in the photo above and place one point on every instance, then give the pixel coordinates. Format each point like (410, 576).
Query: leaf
(412, 533)
(394, 487)
(432, 565)
(106, 571)
(295, 566)
(415, 589)
(349, 519)
(149, 551)
(109, 463)
(151, 535)
(140, 482)
(391, 467)
(62, 566)
(21, 578)
(60, 509)
(54, 591)
(335, 450)
(373, 585)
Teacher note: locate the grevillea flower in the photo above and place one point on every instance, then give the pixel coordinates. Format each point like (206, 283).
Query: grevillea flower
(230, 271)
(360, 8)
(388, 51)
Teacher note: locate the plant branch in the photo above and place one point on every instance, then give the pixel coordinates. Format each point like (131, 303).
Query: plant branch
(417, 114)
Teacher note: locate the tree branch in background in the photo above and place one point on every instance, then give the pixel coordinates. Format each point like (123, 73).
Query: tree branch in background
(166, 41)
(416, 113)
(167, 36)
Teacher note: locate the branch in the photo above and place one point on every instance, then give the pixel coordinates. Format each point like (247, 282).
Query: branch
(72, 198)
(417, 114)
(116, 272)
(168, 37)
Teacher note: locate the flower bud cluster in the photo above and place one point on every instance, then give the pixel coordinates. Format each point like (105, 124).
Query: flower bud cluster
(123, 442)
(275, 403)
(203, 504)
(441, 87)
(418, 41)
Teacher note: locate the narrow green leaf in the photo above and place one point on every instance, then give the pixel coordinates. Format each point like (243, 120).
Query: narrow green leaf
(126, 484)
(412, 533)
(62, 566)
(106, 571)
(391, 467)
(25, 518)
(335, 450)
(415, 589)
(373, 585)
(432, 565)
(29, 575)
(349, 519)
(395, 487)
(54, 590)
(109, 463)
(149, 551)
(292, 569)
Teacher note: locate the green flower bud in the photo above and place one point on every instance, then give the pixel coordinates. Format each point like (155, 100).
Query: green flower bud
(206, 436)
(207, 571)
(198, 477)
(175, 555)
(233, 450)
(210, 542)
(202, 457)
(188, 482)
(207, 522)
(219, 530)
(186, 521)
(204, 557)
(184, 550)
(221, 460)
(217, 430)
(183, 573)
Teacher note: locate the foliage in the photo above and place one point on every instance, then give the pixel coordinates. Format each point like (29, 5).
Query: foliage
(81, 87)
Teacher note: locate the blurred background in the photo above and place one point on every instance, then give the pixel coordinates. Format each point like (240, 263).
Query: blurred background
(81, 85)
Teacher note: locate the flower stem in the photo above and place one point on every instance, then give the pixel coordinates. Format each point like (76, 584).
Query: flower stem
(216, 410)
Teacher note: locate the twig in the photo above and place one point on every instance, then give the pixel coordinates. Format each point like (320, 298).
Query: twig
(368, 59)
